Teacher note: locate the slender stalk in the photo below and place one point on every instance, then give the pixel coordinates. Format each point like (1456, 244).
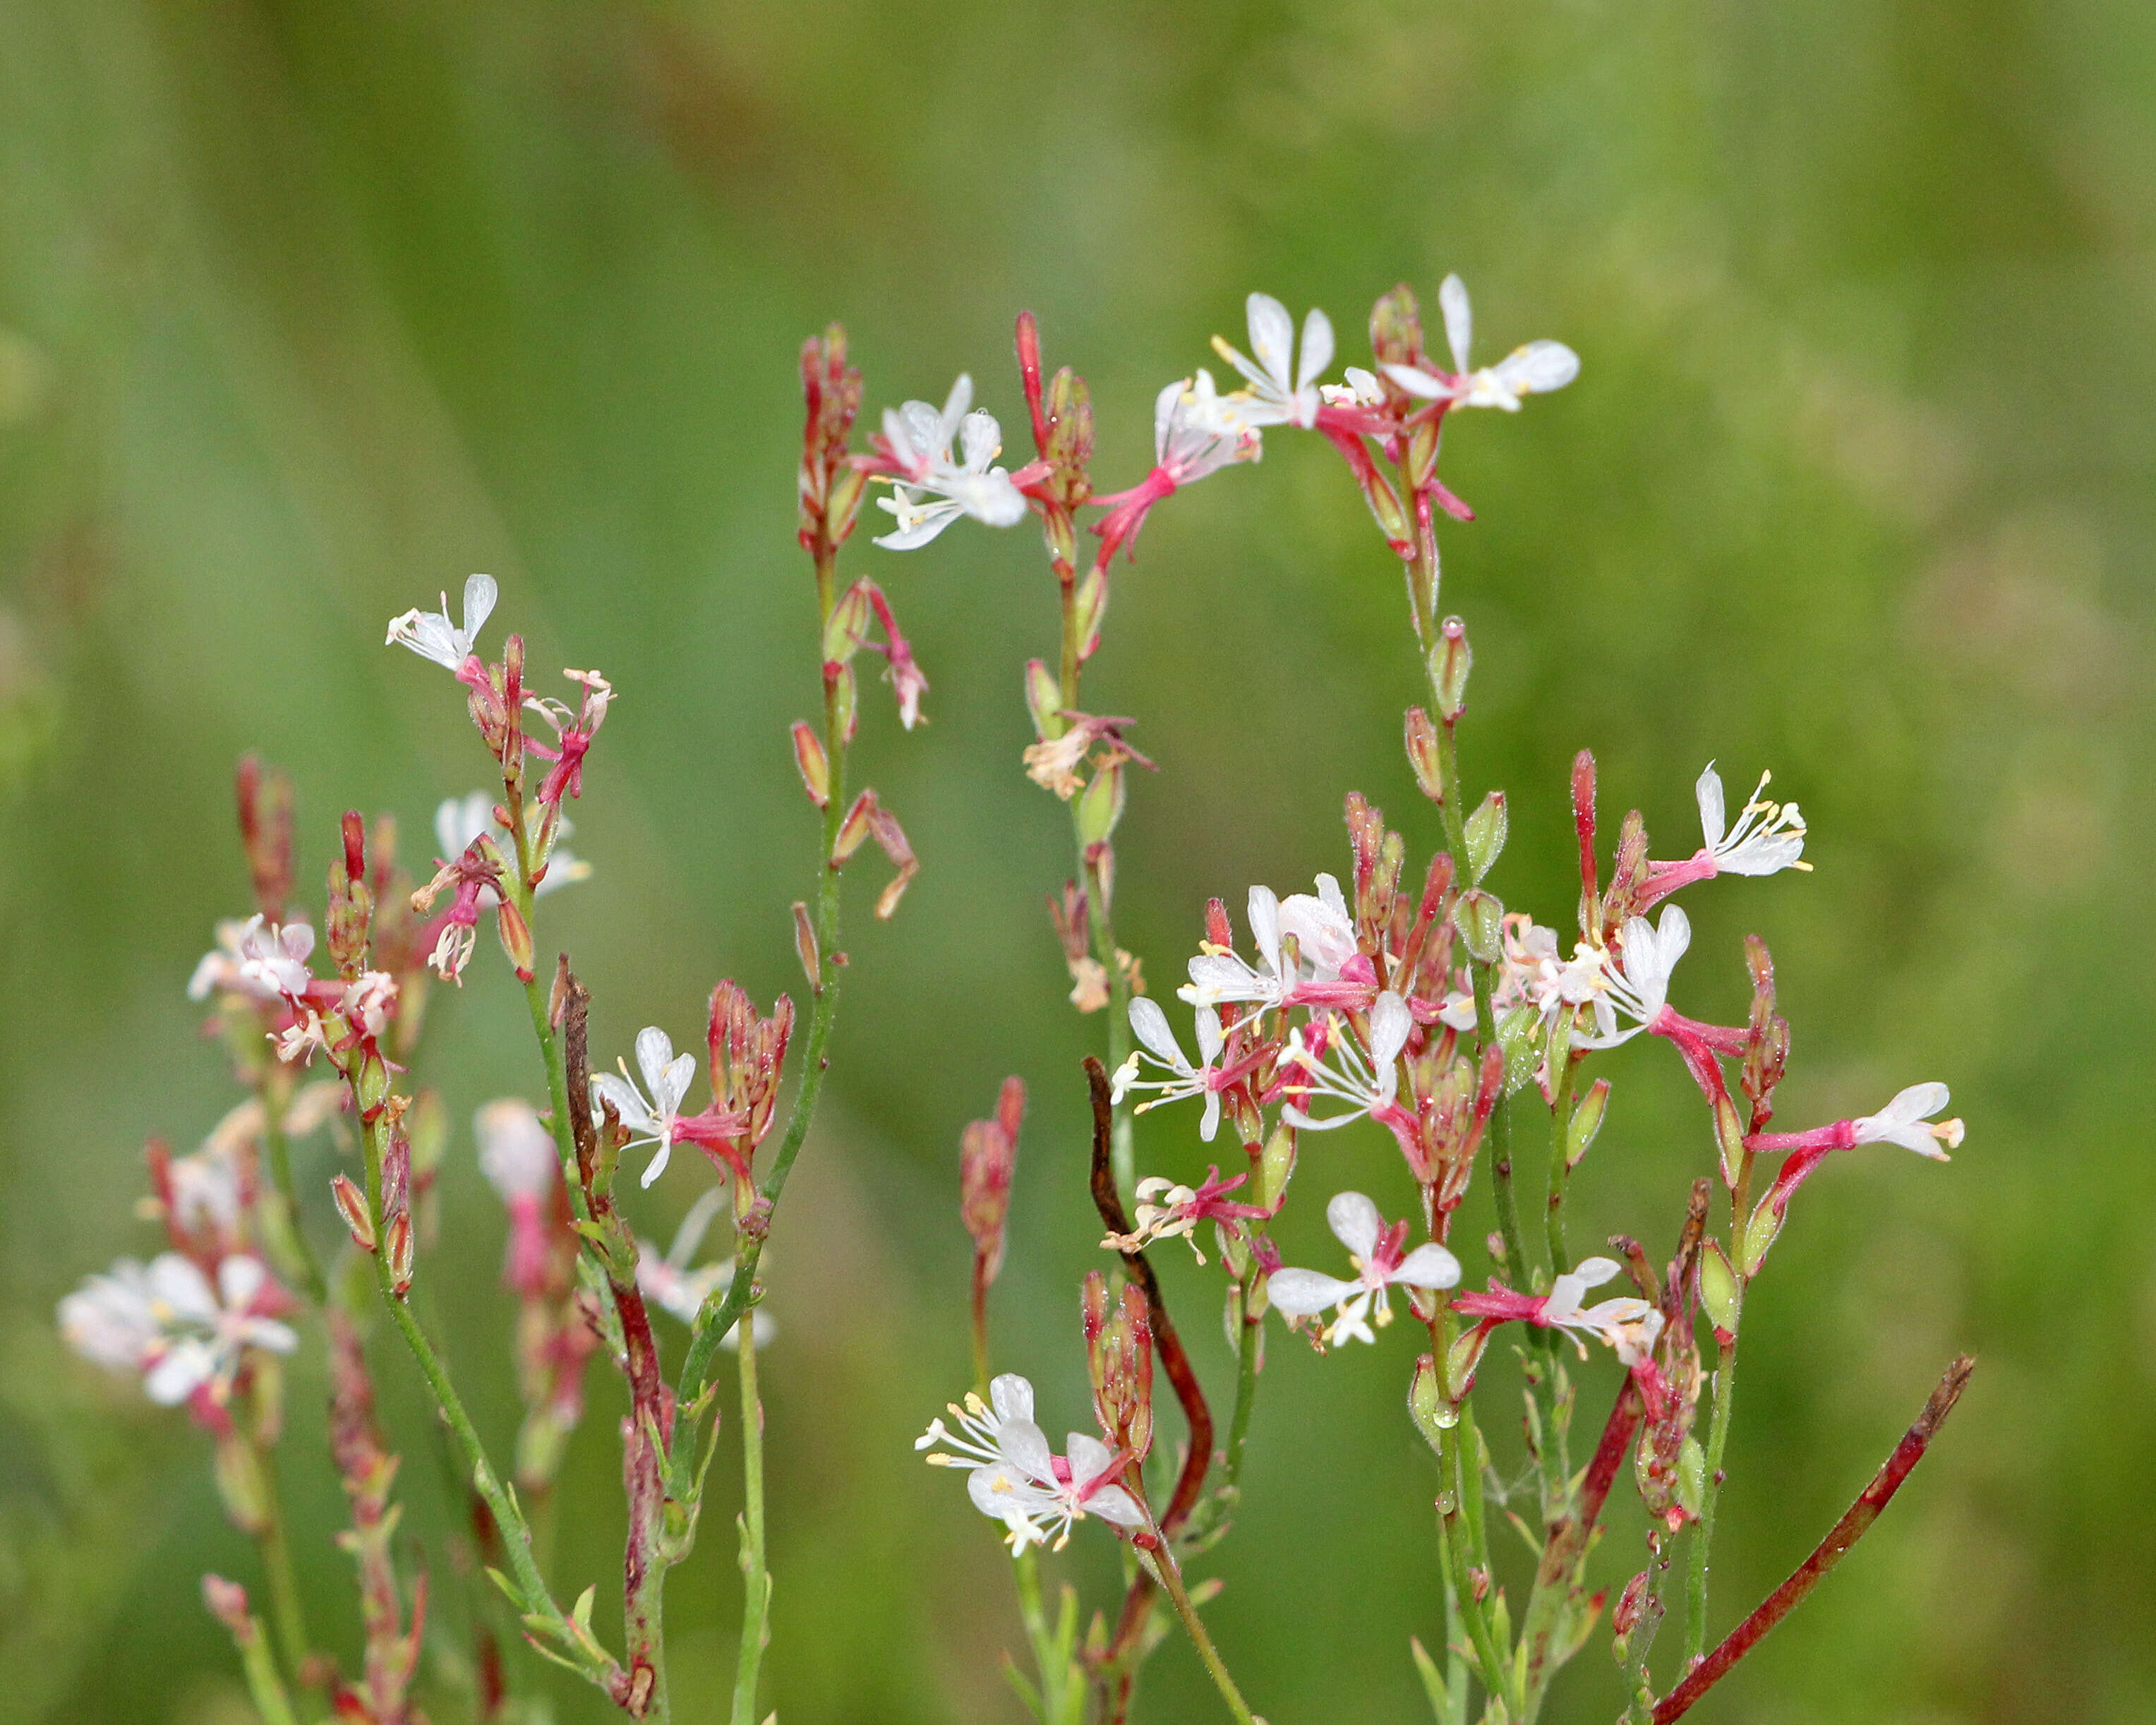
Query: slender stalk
(1247, 1347)
(756, 1596)
(1639, 1703)
(264, 1685)
(1845, 1532)
(278, 1148)
(1455, 1548)
(1160, 1565)
(1059, 1696)
(287, 1613)
(1702, 1533)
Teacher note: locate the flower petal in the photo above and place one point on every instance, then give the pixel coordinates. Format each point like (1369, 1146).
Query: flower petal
(1355, 1222)
(1458, 320)
(1112, 1503)
(1305, 1293)
(1713, 814)
(1593, 1272)
(1011, 1397)
(1272, 338)
(1316, 349)
(1538, 368)
(1149, 1023)
(1390, 1023)
(480, 593)
(1428, 1267)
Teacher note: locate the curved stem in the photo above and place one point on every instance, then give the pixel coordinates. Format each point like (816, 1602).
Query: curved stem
(276, 1549)
(1248, 1347)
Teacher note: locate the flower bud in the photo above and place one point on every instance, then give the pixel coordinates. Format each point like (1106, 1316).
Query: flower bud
(265, 830)
(1625, 1614)
(1719, 1292)
(1586, 1123)
(816, 767)
(1101, 805)
(1518, 1036)
(1422, 453)
(1069, 426)
(1423, 755)
(1396, 328)
(1486, 829)
(1386, 508)
(1449, 662)
(987, 1154)
(847, 628)
(848, 486)
(804, 944)
(1461, 1361)
(1090, 609)
(240, 1485)
(1119, 1359)
(1043, 701)
(1729, 1134)
(1426, 1404)
(853, 830)
(1275, 1167)
(515, 934)
(1479, 917)
(351, 1205)
(400, 1251)
(846, 699)
(227, 1601)
(1759, 1232)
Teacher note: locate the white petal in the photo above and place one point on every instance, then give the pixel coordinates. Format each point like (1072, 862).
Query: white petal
(1538, 368)
(1208, 1122)
(1593, 1272)
(982, 439)
(1458, 320)
(989, 497)
(1089, 1457)
(1025, 1445)
(1919, 1101)
(1264, 924)
(629, 1106)
(1011, 1396)
(1428, 1266)
(1209, 1035)
(1316, 348)
(1390, 1023)
(185, 1367)
(1305, 1293)
(1713, 820)
(267, 1333)
(1001, 1492)
(681, 1072)
(1418, 382)
(1272, 337)
(1163, 417)
(239, 1279)
(658, 1166)
(655, 1048)
(176, 1283)
(480, 594)
(1565, 1294)
(1355, 1221)
(1150, 1024)
(1329, 895)
(1112, 1503)
(927, 522)
(955, 405)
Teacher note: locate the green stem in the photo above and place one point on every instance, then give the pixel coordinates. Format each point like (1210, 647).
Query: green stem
(1061, 1689)
(1247, 1347)
(756, 1598)
(264, 1685)
(284, 1584)
(1456, 1547)
(1160, 1565)
(1640, 1706)
(278, 1148)
(1563, 1065)
(1702, 1534)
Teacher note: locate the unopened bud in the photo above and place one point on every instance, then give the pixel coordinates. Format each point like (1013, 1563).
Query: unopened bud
(427, 1129)
(1422, 453)
(1718, 1291)
(1385, 506)
(351, 1205)
(1426, 1402)
(847, 628)
(1760, 1233)
(1479, 917)
(1625, 1614)
(816, 767)
(1486, 828)
(227, 1601)
(1449, 662)
(804, 943)
(848, 487)
(1090, 609)
(400, 1251)
(1069, 423)
(1396, 327)
(1423, 754)
(240, 1484)
(853, 830)
(1729, 1134)
(1275, 1167)
(265, 830)
(987, 1154)
(1586, 1123)
(846, 699)
(1043, 701)
(1518, 1036)
(1119, 1357)
(1101, 805)
(516, 937)
(1691, 1477)
(1461, 1361)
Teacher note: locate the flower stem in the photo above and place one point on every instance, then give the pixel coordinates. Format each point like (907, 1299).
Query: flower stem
(756, 1598)
(1702, 1533)
(276, 1549)
(264, 1685)
(278, 1149)
(1248, 1346)
(1161, 1565)
(1562, 1065)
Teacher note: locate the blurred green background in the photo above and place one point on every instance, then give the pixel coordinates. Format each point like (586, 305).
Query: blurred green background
(307, 309)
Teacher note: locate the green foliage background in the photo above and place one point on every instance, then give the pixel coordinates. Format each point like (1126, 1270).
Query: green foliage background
(308, 309)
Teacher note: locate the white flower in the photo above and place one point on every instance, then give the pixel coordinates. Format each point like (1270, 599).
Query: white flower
(460, 821)
(1324, 932)
(1375, 1251)
(1535, 369)
(1366, 1085)
(1768, 838)
(108, 1319)
(1641, 988)
(516, 1152)
(1629, 1326)
(432, 635)
(1361, 390)
(367, 1001)
(1194, 434)
(1280, 392)
(1014, 1476)
(1325, 945)
(931, 489)
(666, 1075)
(669, 1284)
(1907, 1120)
(1150, 1024)
(171, 1324)
(265, 961)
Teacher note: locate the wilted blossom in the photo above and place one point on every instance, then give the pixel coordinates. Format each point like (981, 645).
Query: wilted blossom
(1166, 1211)
(432, 635)
(1195, 434)
(1017, 1479)
(1535, 369)
(460, 821)
(1381, 1261)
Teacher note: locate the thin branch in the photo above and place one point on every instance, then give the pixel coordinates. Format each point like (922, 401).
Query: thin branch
(1846, 1531)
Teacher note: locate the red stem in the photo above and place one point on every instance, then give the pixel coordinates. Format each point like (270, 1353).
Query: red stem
(1845, 1532)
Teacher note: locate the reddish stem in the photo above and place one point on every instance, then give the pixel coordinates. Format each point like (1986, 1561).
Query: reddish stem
(1845, 1532)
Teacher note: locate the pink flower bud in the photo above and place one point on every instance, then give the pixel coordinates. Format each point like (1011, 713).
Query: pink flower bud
(814, 766)
(1119, 1359)
(400, 1251)
(351, 1205)
(227, 1601)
